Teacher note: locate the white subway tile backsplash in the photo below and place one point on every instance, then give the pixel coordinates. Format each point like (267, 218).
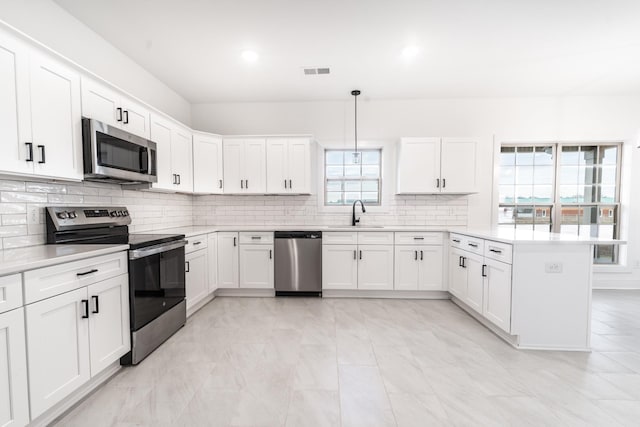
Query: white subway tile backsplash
(7, 196)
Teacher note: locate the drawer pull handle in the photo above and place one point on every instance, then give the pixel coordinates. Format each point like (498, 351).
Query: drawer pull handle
(85, 308)
(460, 261)
(94, 270)
(418, 238)
(234, 242)
(256, 237)
(484, 270)
(496, 251)
(196, 243)
(96, 304)
(456, 240)
(473, 245)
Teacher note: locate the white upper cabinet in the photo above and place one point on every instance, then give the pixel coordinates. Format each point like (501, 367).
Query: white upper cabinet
(207, 164)
(437, 165)
(173, 156)
(245, 166)
(289, 165)
(39, 113)
(107, 105)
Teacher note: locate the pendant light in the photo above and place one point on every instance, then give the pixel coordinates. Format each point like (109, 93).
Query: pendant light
(356, 155)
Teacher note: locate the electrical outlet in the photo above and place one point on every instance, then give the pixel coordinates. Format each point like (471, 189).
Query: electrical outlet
(553, 267)
(33, 214)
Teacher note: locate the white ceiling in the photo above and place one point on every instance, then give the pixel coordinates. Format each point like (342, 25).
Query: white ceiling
(468, 48)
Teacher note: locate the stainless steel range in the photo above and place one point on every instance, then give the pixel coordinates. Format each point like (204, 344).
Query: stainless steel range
(156, 270)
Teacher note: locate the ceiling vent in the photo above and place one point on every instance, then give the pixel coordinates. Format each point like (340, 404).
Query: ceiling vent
(315, 71)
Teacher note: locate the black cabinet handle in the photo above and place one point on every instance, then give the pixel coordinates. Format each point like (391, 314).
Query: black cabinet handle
(234, 241)
(484, 270)
(456, 240)
(464, 262)
(270, 254)
(85, 308)
(119, 116)
(197, 243)
(473, 245)
(246, 184)
(42, 154)
(415, 255)
(220, 183)
(355, 255)
(290, 185)
(30, 151)
(94, 270)
(360, 254)
(444, 182)
(188, 266)
(126, 117)
(96, 304)
(421, 255)
(174, 178)
(418, 238)
(241, 183)
(495, 251)
(285, 184)
(178, 179)
(437, 182)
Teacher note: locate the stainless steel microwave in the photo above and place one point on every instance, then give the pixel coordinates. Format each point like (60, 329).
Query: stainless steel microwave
(113, 155)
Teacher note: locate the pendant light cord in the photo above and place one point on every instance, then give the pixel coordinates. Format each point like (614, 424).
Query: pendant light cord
(356, 122)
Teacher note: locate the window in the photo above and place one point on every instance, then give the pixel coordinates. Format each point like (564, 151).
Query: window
(346, 182)
(575, 191)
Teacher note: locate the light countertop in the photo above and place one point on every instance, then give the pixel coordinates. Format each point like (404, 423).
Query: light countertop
(499, 235)
(32, 257)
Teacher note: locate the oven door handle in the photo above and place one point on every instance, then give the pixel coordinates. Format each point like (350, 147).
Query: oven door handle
(153, 250)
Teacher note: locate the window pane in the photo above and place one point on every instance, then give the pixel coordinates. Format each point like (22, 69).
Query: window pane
(608, 194)
(543, 156)
(524, 156)
(605, 254)
(569, 193)
(506, 215)
(588, 194)
(334, 171)
(352, 186)
(334, 157)
(524, 214)
(569, 229)
(588, 155)
(370, 186)
(508, 156)
(608, 175)
(543, 175)
(524, 193)
(528, 227)
(370, 171)
(352, 170)
(334, 186)
(333, 198)
(370, 197)
(606, 231)
(570, 155)
(524, 174)
(569, 174)
(609, 155)
(349, 158)
(607, 214)
(371, 157)
(507, 175)
(351, 197)
(569, 215)
(507, 194)
(587, 175)
(542, 194)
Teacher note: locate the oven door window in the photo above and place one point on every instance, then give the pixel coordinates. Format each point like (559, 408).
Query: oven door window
(120, 154)
(157, 283)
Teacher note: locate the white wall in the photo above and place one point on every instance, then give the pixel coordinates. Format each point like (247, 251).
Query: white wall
(48, 23)
(500, 119)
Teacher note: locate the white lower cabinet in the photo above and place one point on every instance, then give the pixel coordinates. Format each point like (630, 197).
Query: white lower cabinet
(14, 399)
(256, 266)
(375, 267)
(418, 268)
(339, 267)
(58, 343)
(212, 248)
(109, 305)
(196, 277)
(497, 294)
(475, 281)
(457, 273)
(228, 260)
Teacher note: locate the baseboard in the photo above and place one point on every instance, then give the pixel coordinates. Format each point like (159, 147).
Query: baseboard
(206, 300)
(355, 293)
(237, 292)
(62, 408)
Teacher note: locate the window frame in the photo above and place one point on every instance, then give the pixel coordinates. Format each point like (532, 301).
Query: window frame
(326, 180)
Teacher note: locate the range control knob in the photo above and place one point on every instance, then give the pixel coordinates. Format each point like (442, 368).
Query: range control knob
(125, 213)
(113, 213)
(72, 214)
(62, 215)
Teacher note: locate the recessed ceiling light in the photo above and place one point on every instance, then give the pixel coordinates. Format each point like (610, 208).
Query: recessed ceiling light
(410, 52)
(249, 55)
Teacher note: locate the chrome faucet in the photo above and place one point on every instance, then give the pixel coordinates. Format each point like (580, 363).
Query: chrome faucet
(354, 221)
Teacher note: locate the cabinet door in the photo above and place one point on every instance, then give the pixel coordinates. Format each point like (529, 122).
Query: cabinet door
(419, 165)
(196, 277)
(458, 165)
(100, 102)
(406, 268)
(457, 274)
(161, 135)
(233, 150)
(212, 248)
(497, 294)
(109, 333)
(430, 259)
(181, 159)
(14, 401)
(255, 166)
(207, 164)
(15, 112)
(228, 260)
(475, 281)
(278, 166)
(135, 118)
(256, 266)
(339, 267)
(299, 165)
(375, 267)
(58, 343)
(55, 119)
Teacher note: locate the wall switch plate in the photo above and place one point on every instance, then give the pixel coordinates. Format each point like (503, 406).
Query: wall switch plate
(553, 267)
(33, 214)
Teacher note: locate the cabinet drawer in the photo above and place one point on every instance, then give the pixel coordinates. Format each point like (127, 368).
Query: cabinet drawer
(456, 240)
(340, 238)
(257, 238)
(10, 292)
(50, 281)
(418, 238)
(375, 238)
(196, 243)
(498, 251)
(473, 244)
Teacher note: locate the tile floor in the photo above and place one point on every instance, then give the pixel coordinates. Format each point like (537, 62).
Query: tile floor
(357, 362)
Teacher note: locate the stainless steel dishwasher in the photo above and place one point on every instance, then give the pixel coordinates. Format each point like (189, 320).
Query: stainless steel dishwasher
(298, 263)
